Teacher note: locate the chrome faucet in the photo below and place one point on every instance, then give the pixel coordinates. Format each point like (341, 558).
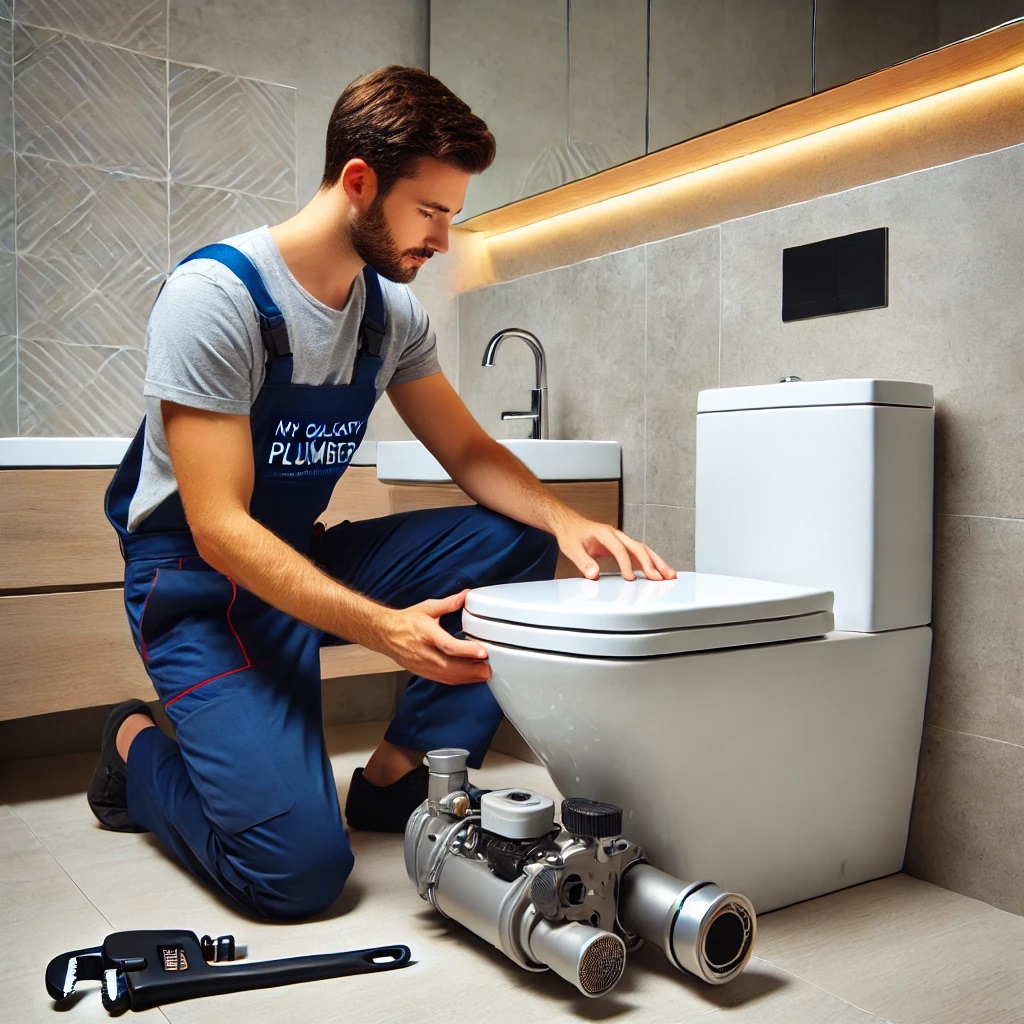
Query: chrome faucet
(538, 396)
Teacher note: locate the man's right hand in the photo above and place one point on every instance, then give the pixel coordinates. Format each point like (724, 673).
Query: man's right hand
(416, 640)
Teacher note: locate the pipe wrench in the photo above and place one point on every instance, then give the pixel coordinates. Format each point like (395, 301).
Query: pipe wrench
(142, 969)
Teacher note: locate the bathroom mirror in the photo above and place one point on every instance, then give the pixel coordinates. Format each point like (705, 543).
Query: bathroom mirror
(573, 87)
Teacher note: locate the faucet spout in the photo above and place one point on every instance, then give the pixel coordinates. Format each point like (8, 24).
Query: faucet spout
(540, 367)
(538, 405)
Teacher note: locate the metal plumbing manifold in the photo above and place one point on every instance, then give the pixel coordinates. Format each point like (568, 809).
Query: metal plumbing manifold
(573, 898)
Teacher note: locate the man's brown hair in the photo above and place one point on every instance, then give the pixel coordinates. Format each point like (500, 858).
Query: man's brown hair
(393, 116)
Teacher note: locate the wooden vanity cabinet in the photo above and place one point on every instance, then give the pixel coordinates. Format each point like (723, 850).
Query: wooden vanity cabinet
(64, 637)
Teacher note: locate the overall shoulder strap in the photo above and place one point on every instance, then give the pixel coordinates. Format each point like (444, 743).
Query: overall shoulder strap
(375, 317)
(272, 325)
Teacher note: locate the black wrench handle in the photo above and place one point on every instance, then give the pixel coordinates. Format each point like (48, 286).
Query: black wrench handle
(147, 989)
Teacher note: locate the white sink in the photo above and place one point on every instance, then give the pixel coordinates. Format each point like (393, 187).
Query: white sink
(78, 452)
(410, 462)
(62, 451)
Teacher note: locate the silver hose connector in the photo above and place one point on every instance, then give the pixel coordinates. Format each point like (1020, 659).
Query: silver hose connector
(447, 772)
(589, 958)
(701, 929)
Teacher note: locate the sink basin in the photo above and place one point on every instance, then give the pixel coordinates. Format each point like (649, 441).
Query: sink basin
(32, 452)
(79, 452)
(410, 462)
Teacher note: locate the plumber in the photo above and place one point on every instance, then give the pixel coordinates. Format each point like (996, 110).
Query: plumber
(231, 584)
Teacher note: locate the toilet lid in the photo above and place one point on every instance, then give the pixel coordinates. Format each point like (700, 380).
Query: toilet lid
(612, 617)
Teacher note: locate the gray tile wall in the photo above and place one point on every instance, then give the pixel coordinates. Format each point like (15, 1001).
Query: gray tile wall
(531, 66)
(633, 336)
(133, 131)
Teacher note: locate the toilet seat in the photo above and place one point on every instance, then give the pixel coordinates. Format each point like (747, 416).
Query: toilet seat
(614, 618)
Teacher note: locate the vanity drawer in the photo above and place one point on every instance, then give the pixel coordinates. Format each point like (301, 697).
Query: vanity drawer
(74, 650)
(55, 532)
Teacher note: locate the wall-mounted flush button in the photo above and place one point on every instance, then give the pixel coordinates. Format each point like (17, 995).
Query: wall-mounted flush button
(837, 275)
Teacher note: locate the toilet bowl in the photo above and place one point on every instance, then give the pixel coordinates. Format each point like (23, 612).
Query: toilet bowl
(759, 720)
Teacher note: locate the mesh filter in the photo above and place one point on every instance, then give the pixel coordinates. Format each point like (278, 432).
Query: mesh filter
(602, 965)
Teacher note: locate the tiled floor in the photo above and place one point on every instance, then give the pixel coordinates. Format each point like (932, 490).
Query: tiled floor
(895, 950)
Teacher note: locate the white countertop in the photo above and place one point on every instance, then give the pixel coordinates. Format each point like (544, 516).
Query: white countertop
(81, 452)
(399, 461)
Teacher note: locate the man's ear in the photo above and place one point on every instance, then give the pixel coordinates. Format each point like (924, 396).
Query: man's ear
(359, 181)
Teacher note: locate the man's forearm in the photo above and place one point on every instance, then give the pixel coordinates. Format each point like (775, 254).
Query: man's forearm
(491, 475)
(247, 552)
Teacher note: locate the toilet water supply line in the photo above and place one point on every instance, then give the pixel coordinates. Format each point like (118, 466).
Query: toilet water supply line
(571, 898)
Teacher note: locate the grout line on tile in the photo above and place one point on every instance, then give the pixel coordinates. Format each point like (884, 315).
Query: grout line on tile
(827, 991)
(975, 736)
(76, 164)
(233, 74)
(154, 56)
(647, 310)
(56, 860)
(86, 39)
(17, 325)
(967, 515)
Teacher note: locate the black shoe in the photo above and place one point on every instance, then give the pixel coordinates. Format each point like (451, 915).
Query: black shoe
(385, 808)
(108, 791)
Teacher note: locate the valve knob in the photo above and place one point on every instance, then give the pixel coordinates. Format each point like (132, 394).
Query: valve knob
(591, 819)
(447, 760)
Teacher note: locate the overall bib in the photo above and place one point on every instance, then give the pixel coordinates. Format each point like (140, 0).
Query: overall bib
(246, 797)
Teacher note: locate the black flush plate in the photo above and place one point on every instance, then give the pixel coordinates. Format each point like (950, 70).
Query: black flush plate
(837, 275)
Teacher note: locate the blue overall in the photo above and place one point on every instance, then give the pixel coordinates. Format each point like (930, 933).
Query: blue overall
(246, 798)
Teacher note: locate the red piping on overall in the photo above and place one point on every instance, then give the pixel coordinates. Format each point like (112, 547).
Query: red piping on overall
(231, 626)
(185, 693)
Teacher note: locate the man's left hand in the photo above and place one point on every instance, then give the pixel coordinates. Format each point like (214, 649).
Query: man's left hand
(583, 541)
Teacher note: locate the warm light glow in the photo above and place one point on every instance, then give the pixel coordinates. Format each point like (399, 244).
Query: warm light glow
(975, 117)
(829, 140)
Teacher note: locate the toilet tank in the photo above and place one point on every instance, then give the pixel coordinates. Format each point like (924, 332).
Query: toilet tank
(823, 483)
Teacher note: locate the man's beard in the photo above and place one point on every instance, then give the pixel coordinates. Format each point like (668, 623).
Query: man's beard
(375, 245)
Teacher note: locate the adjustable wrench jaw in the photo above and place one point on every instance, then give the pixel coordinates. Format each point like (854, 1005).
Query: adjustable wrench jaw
(65, 971)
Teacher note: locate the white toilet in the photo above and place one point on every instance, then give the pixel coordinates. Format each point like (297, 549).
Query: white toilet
(752, 733)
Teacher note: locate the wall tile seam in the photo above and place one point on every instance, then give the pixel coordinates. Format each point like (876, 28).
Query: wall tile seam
(232, 191)
(656, 504)
(152, 56)
(14, 250)
(975, 736)
(167, 134)
(35, 340)
(646, 326)
(231, 74)
(87, 39)
(74, 165)
(168, 180)
(295, 128)
(970, 515)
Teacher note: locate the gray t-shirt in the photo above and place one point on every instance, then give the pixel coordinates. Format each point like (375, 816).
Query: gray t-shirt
(205, 348)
